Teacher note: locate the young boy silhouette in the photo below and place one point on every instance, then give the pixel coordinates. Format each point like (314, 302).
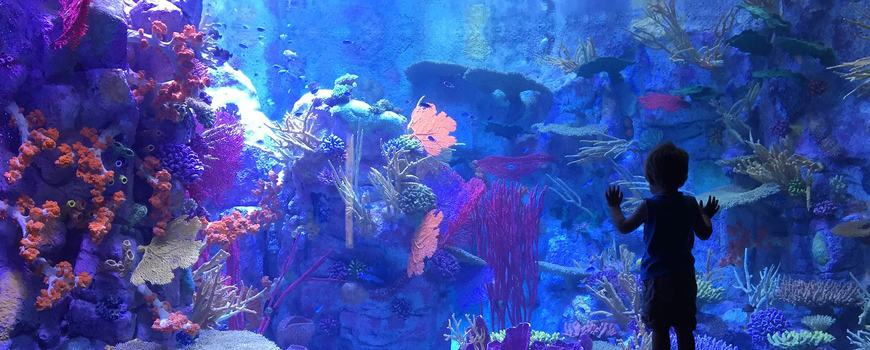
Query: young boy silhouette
(668, 266)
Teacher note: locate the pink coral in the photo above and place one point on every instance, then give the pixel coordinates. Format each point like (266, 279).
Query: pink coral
(425, 242)
(432, 128)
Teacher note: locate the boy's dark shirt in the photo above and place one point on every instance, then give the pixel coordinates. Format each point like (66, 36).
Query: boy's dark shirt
(669, 235)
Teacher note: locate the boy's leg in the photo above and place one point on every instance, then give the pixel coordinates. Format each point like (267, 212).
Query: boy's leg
(661, 339)
(685, 338)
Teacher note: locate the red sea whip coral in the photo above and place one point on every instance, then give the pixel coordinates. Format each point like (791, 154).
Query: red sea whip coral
(75, 18)
(508, 241)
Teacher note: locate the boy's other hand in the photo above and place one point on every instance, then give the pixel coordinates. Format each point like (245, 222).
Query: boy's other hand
(613, 195)
(711, 208)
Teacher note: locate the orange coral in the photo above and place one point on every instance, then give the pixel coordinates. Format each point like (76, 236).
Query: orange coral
(176, 321)
(229, 228)
(160, 199)
(432, 129)
(36, 223)
(60, 280)
(270, 205)
(425, 242)
(66, 157)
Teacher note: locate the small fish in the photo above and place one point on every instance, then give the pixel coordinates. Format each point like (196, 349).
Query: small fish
(283, 71)
(590, 269)
(465, 114)
(318, 308)
(347, 42)
(298, 114)
(431, 138)
(243, 46)
(510, 166)
(425, 105)
(369, 206)
(276, 66)
(526, 150)
(261, 29)
(490, 118)
(246, 27)
(448, 84)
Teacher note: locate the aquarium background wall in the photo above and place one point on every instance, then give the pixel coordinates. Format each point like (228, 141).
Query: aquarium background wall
(363, 175)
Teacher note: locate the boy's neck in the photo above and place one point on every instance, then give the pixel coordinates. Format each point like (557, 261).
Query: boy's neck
(668, 192)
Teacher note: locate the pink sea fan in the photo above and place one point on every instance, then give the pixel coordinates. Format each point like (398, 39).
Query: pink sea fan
(75, 17)
(219, 149)
(669, 103)
(512, 168)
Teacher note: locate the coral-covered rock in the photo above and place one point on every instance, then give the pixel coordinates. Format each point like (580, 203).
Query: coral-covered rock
(13, 293)
(85, 320)
(295, 330)
(146, 12)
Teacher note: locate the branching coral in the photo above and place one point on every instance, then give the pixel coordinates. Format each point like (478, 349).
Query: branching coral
(779, 165)
(216, 299)
(295, 133)
(761, 293)
(609, 148)
(707, 290)
(569, 63)
(178, 248)
(731, 117)
(818, 322)
(270, 205)
(677, 43)
(164, 319)
(474, 337)
(621, 311)
(819, 293)
(860, 339)
(399, 171)
(799, 340)
(568, 194)
(858, 70)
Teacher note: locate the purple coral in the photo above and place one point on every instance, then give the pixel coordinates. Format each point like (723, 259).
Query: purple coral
(825, 208)
(445, 264)
(703, 342)
(781, 128)
(329, 325)
(401, 308)
(338, 270)
(765, 322)
(181, 161)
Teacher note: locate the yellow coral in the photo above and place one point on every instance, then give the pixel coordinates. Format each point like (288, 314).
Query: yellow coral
(12, 295)
(178, 248)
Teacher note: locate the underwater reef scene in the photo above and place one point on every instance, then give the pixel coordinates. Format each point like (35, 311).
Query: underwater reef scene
(301, 174)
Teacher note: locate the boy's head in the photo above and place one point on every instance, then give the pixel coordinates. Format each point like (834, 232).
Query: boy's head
(667, 167)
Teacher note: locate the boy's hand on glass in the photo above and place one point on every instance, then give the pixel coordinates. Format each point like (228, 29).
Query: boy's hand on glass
(613, 195)
(711, 208)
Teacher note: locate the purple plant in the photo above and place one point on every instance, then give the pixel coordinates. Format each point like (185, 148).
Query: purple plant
(181, 161)
(780, 128)
(703, 342)
(329, 326)
(401, 308)
(825, 208)
(764, 322)
(220, 148)
(445, 264)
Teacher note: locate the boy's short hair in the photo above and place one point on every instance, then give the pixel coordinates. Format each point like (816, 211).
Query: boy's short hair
(667, 166)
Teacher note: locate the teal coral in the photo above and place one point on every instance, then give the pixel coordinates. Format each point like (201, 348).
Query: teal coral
(417, 199)
(709, 293)
(820, 250)
(800, 340)
(797, 187)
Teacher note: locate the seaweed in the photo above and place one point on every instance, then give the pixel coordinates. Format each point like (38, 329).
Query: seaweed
(611, 65)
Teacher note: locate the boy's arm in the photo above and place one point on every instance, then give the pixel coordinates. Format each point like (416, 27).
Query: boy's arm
(627, 225)
(704, 227)
(614, 199)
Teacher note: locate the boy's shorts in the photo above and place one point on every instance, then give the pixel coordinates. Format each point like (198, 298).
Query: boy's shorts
(669, 301)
